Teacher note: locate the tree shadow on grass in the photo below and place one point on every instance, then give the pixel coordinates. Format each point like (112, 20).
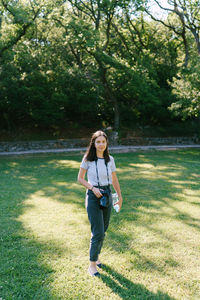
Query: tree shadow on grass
(160, 176)
(24, 270)
(127, 289)
(23, 273)
(24, 177)
(150, 199)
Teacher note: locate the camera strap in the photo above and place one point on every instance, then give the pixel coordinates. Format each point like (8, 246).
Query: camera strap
(98, 173)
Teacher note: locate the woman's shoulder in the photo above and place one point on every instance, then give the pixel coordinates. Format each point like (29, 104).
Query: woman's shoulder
(112, 163)
(111, 158)
(84, 159)
(85, 164)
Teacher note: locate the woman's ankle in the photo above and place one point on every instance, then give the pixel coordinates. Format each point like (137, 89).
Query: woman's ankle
(92, 264)
(98, 262)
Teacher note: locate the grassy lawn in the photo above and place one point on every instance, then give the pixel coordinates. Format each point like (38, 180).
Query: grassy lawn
(152, 247)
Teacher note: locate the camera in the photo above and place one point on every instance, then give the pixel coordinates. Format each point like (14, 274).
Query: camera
(104, 200)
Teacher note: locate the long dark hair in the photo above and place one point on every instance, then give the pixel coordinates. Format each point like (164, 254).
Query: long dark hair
(91, 154)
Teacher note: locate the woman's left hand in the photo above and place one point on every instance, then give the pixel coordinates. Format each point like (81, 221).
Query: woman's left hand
(116, 186)
(119, 203)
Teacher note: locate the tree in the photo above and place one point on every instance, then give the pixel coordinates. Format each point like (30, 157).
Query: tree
(188, 14)
(184, 19)
(86, 63)
(186, 88)
(15, 21)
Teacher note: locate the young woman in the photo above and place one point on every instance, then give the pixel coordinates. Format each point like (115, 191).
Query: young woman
(101, 173)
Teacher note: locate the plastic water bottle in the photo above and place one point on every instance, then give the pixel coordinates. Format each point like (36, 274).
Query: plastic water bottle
(116, 207)
(115, 199)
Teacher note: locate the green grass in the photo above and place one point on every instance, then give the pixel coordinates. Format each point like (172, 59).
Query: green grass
(152, 247)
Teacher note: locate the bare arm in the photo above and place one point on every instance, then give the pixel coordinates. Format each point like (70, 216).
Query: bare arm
(116, 186)
(81, 179)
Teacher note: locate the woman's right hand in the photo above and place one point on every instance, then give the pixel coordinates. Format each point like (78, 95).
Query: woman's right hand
(97, 192)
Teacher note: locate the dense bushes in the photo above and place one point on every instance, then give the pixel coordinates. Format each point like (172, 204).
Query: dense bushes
(92, 65)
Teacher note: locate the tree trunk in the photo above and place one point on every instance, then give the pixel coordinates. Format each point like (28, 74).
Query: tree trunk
(197, 40)
(116, 115)
(108, 93)
(186, 49)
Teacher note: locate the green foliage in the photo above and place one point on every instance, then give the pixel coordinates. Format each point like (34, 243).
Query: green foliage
(91, 62)
(186, 88)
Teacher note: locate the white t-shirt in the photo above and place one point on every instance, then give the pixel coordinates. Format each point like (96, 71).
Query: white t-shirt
(90, 166)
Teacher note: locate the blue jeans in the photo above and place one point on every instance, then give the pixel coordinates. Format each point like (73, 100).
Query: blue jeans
(99, 220)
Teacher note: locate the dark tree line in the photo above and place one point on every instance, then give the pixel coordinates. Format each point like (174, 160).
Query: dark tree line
(93, 63)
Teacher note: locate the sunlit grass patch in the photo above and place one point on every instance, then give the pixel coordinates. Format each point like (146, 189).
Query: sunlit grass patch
(151, 250)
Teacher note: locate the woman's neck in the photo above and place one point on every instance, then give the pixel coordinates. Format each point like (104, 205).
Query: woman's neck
(100, 154)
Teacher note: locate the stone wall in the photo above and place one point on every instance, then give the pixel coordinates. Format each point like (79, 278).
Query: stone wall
(140, 141)
(76, 143)
(42, 145)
